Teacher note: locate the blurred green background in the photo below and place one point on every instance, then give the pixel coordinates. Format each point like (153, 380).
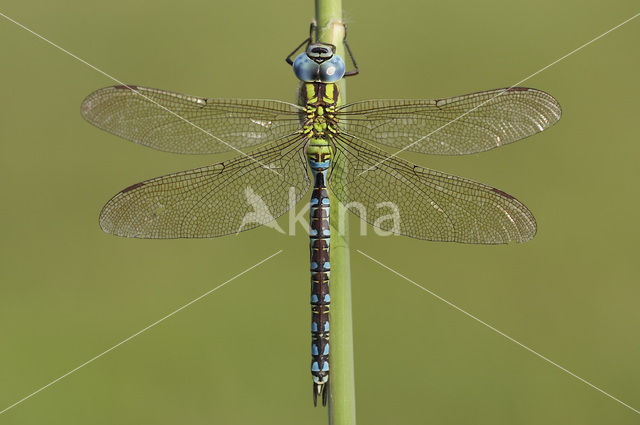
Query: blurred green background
(241, 355)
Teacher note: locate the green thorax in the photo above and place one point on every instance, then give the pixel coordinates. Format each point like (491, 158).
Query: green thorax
(320, 123)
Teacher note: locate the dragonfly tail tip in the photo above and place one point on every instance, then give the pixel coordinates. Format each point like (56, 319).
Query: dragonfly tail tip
(320, 390)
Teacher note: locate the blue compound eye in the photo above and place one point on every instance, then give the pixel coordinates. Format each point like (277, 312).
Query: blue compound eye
(306, 69)
(332, 70)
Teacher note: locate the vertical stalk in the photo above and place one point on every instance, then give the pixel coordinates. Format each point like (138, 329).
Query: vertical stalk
(342, 399)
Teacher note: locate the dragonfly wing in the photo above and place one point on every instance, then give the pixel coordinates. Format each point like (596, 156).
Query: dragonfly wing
(179, 123)
(405, 199)
(229, 197)
(459, 125)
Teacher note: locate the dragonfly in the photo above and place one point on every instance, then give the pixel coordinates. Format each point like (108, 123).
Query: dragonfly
(319, 145)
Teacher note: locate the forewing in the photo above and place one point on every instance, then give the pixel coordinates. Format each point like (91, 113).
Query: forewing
(179, 123)
(220, 199)
(459, 125)
(427, 204)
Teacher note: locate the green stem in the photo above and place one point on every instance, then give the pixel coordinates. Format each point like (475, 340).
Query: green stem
(342, 396)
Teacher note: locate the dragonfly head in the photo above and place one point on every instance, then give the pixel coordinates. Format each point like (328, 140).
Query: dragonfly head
(319, 64)
(320, 52)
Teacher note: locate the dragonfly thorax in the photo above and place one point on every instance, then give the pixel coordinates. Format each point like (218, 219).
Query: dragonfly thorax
(320, 102)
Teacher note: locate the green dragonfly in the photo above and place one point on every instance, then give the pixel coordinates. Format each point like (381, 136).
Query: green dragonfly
(277, 140)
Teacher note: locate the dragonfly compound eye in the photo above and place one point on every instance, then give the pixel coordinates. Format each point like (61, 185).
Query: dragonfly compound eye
(306, 69)
(332, 70)
(309, 70)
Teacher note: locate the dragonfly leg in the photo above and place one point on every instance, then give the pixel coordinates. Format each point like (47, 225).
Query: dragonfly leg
(356, 70)
(306, 42)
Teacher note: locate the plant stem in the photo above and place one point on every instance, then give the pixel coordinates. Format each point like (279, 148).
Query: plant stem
(342, 398)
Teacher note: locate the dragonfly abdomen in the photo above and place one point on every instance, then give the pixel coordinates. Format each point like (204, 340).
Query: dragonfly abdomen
(319, 157)
(320, 126)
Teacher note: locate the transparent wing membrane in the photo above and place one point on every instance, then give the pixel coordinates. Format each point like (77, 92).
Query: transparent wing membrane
(217, 200)
(253, 189)
(429, 204)
(493, 118)
(208, 125)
